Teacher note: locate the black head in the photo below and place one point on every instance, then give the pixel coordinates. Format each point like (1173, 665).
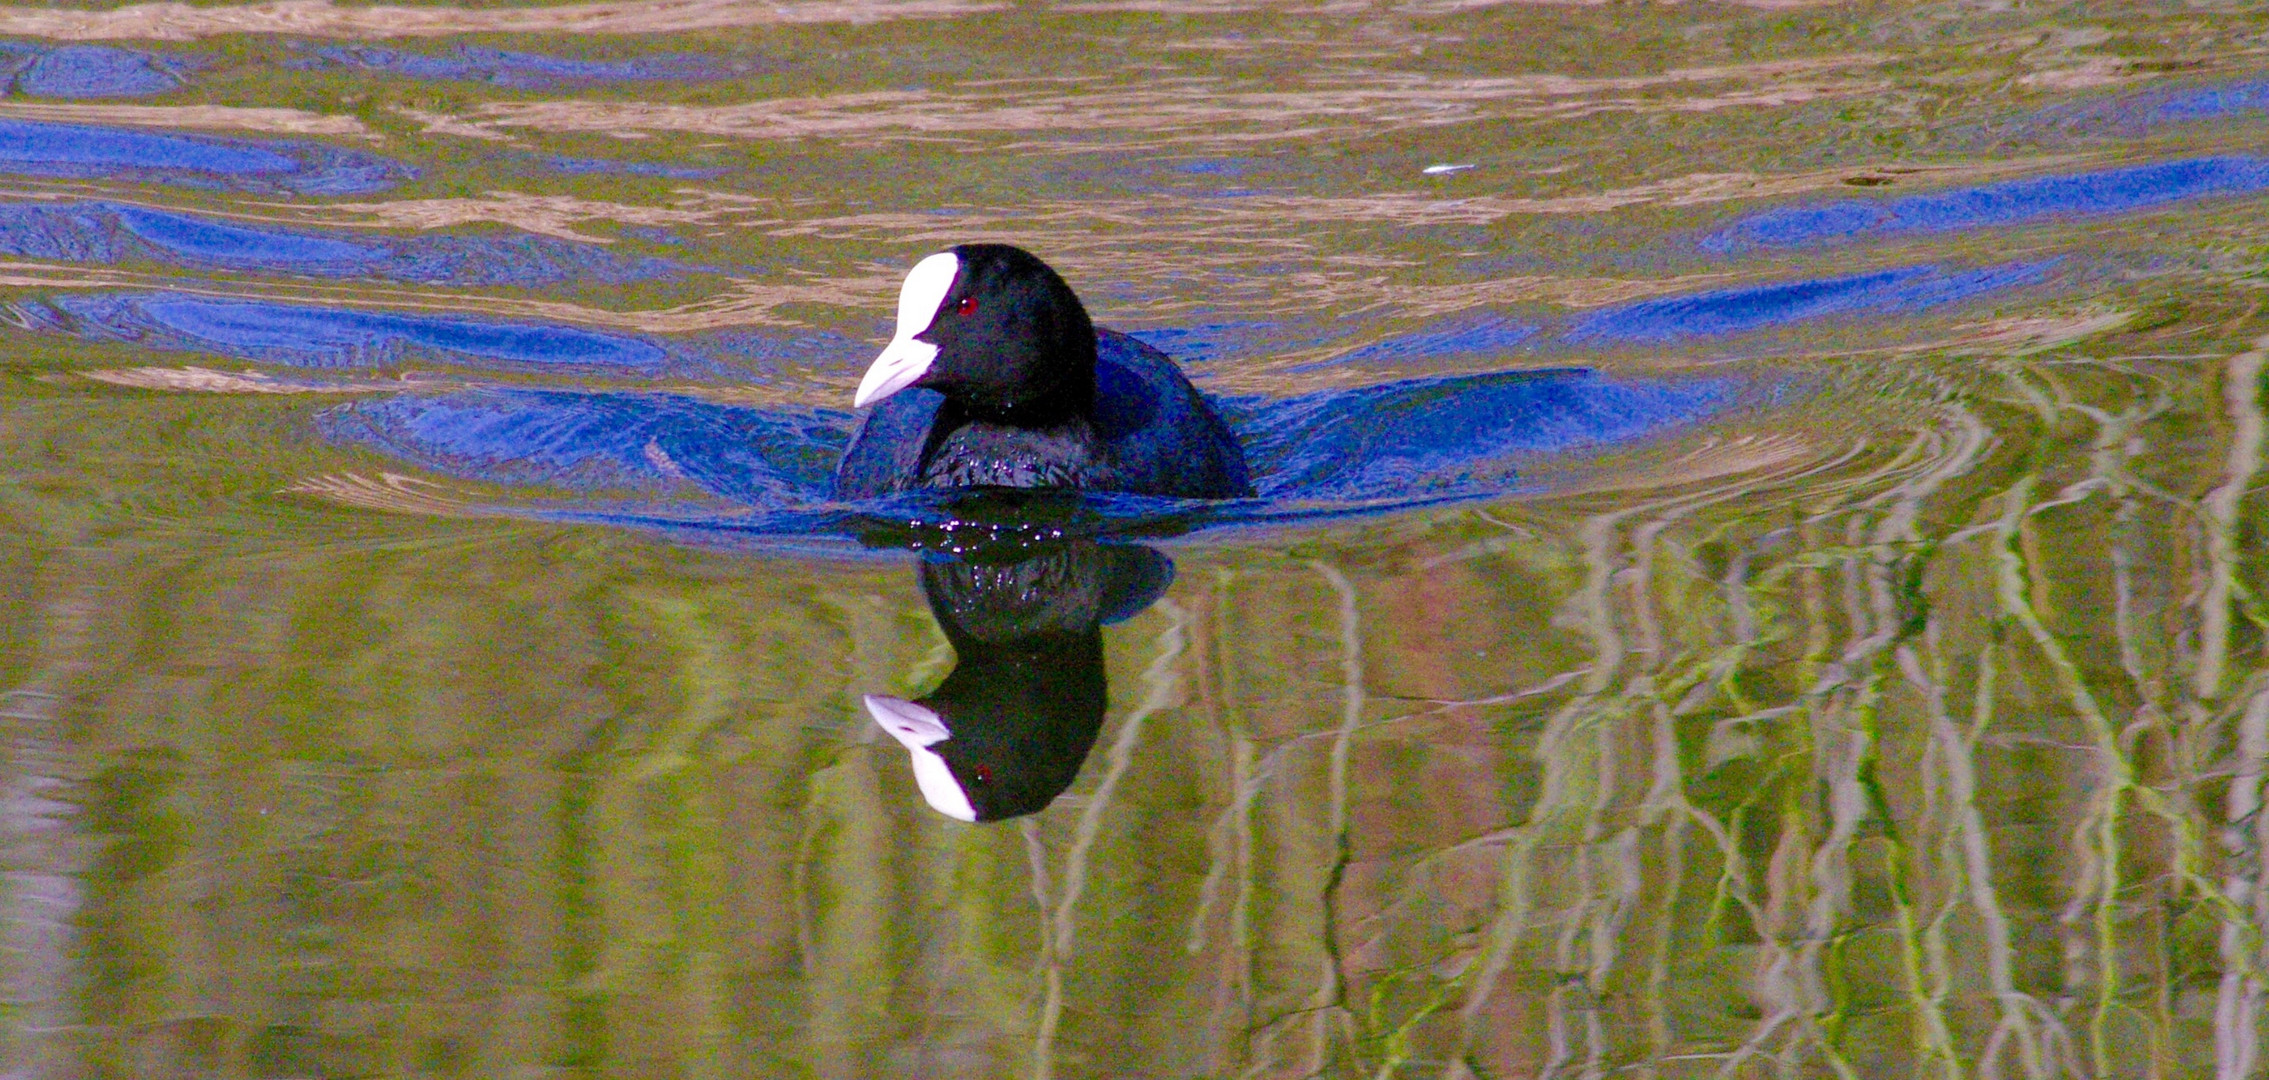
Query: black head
(996, 331)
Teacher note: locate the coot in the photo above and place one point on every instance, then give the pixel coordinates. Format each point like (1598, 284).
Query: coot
(1027, 393)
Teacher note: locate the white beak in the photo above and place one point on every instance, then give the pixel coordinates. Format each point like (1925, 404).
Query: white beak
(906, 360)
(917, 729)
(903, 362)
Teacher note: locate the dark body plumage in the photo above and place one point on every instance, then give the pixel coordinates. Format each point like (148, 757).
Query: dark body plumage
(1025, 392)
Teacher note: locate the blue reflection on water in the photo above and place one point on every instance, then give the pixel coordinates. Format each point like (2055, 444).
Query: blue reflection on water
(1458, 435)
(94, 71)
(108, 233)
(1333, 452)
(1245, 339)
(765, 459)
(523, 70)
(84, 150)
(207, 240)
(2135, 114)
(1733, 311)
(1469, 334)
(1716, 313)
(2201, 102)
(2010, 202)
(306, 336)
(1314, 456)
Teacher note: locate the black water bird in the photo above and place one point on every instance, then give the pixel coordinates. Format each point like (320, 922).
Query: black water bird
(1028, 393)
(1008, 729)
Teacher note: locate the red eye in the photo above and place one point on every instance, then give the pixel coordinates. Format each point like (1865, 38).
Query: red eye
(984, 773)
(967, 306)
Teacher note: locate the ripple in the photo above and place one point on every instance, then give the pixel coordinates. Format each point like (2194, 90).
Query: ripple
(308, 336)
(1188, 109)
(524, 70)
(101, 232)
(179, 21)
(2135, 114)
(2010, 202)
(80, 150)
(266, 120)
(1459, 435)
(1463, 335)
(605, 439)
(95, 71)
(208, 240)
(694, 466)
(1734, 311)
(1244, 339)
(576, 166)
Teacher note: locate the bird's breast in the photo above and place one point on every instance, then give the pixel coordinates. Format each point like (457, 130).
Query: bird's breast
(981, 454)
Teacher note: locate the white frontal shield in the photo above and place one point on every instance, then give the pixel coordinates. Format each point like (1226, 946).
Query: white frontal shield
(905, 360)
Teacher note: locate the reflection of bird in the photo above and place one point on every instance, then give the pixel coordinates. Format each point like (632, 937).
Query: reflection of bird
(1006, 732)
(1029, 394)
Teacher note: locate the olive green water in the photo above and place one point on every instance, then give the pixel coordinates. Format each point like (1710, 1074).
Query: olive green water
(1910, 723)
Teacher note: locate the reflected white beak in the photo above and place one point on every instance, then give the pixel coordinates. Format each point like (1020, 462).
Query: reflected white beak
(913, 726)
(906, 360)
(917, 729)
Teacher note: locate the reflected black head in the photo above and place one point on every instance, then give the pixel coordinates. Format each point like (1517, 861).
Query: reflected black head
(1022, 723)
(1014, 344)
